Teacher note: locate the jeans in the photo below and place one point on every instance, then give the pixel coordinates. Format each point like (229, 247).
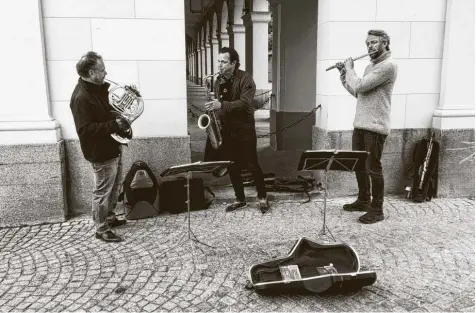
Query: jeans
(244, 155)
(372, 142)
(107, 180)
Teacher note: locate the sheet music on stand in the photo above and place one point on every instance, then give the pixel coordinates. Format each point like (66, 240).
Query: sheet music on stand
(188, 169)
(327, 160)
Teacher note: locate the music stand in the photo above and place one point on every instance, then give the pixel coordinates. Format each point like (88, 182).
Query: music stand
(337, 160)
(187, 169)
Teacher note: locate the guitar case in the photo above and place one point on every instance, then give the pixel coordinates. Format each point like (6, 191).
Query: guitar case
(311, 267)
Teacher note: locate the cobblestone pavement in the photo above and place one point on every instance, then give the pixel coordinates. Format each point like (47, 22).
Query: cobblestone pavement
(423, 255)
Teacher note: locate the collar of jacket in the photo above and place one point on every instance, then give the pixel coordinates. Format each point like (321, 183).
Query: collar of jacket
(237, 73)
(93, 88)
(382, 57)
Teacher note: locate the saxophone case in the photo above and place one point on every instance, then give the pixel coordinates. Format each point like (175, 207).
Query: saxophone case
(311, 267)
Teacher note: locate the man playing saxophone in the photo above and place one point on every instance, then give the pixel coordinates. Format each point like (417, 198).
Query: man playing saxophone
(235, 90)
(95, 124)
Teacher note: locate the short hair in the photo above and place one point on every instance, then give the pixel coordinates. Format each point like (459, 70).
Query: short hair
(233, 55)
(86, 63)
(382, 34)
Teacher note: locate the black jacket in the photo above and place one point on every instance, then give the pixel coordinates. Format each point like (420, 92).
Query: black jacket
(94, 121)
(238, 113)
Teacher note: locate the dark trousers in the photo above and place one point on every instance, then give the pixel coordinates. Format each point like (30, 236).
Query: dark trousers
(372, 142)
(244, 156)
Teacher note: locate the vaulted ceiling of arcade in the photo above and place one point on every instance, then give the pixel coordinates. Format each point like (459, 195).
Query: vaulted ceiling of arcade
(217, 15)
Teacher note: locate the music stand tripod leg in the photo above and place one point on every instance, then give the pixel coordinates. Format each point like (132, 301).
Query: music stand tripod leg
(324, 225)
(195, 239)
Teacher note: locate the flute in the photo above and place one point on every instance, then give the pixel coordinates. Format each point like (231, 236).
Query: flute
(354, 59)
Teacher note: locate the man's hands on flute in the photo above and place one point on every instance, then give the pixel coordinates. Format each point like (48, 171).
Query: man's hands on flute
(349, 64)
(343, 67)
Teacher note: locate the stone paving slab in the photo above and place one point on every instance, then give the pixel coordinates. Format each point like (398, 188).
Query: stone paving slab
(423, 255)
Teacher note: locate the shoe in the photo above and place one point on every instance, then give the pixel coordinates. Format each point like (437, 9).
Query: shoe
(263, 205)
(371, 217)
(236, 205)
(116, 222)
(108, 236)
(357, 205)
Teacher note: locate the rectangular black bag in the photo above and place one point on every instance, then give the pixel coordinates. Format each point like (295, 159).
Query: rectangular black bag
(173, 195)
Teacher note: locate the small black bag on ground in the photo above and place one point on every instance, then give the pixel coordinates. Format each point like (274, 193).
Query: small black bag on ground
(139, 186)
(173, 195)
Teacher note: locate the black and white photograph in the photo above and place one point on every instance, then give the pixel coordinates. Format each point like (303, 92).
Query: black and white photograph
(237, 156)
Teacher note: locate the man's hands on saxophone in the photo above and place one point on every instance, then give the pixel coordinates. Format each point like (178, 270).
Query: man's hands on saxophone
(213, 105)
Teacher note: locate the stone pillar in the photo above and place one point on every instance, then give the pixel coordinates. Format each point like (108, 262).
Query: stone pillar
(204, 62)
(32, 188)
(256, 24)
(199, 65)
(454, 120)
(238, 42)
(215, 47)
(209, 58)
(214, 54)
(225, 40)
(188, 65)
(456, 105)
(25, 117)
(194, 66)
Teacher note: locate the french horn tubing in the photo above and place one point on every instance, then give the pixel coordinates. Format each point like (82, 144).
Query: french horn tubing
(128, 103)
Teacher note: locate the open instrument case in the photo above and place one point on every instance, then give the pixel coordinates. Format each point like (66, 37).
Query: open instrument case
(311, 267)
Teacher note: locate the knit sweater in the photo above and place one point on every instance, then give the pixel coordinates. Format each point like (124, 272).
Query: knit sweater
(374, 93)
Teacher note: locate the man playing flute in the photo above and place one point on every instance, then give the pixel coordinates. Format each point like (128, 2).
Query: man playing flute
(372, 120)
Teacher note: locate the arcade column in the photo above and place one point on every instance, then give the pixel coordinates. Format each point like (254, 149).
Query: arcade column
(238, 42)
(453, 120)
(256, 30)
(225, 40)
(32, 157)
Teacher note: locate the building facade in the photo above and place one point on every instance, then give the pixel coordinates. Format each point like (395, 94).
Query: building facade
(155, 43)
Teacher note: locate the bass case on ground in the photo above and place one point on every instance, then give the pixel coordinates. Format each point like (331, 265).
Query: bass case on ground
(311, 267)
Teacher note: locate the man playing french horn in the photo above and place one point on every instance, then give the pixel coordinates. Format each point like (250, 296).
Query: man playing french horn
(95, 122)
(234, 91)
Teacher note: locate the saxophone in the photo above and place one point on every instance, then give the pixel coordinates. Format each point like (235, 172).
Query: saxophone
(209, 121)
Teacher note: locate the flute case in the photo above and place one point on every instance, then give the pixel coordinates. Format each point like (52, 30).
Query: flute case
(313, 267)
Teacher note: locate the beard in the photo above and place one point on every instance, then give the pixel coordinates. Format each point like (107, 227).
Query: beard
(98, 80)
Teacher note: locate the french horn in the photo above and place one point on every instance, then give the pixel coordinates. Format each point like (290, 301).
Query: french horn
(210, 121)
(128, 103)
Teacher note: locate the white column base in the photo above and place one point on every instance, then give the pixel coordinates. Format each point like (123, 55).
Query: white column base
(31, 132)
(453, 118)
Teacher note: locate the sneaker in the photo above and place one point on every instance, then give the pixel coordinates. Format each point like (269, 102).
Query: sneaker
(108, 236)
(357, 205)
(263, 205)
(236, 205)
(371, 217)
(116, 222)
